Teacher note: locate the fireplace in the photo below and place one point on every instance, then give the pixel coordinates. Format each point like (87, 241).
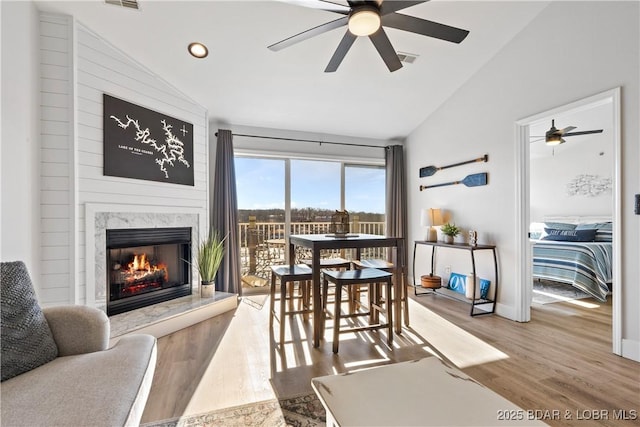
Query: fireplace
(146, 266)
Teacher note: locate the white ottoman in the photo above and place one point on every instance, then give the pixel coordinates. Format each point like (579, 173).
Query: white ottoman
(423, 392)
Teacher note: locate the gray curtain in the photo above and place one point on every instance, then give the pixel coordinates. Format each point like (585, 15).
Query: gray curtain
(224, 214)
(396, 192)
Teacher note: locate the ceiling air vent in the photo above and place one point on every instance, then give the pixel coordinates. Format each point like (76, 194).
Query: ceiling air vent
(131, 4)
(407, 58)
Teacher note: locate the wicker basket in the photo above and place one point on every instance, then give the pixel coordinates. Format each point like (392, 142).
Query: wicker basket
(429, 281)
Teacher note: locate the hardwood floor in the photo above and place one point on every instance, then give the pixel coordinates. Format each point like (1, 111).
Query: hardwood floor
(561, 360)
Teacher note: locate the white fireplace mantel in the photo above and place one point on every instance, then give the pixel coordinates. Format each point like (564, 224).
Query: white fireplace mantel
(99, 217)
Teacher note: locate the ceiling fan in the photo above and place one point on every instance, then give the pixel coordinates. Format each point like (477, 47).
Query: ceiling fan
(367, 18)
(556, 136)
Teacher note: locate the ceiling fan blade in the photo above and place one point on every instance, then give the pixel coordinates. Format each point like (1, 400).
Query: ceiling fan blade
(333, 7)
(327, 5)
(320, 29)
(424, 27)
(584, 132)
(341, 51)
(388, 6)
(565, 130)
(386, 50)
(540, 138)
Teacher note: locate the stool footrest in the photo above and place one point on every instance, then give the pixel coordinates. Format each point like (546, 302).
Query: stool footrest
(365, 328)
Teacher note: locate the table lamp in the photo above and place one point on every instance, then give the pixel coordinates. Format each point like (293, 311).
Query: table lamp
(431, 218)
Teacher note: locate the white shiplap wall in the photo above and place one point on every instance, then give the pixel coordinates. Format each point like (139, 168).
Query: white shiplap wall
(74, 176)
(56, 160)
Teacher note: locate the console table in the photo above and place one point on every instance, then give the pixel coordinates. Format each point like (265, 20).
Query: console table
(472, 249)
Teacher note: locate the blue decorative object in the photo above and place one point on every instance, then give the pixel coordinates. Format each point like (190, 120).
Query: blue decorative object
(457, 283)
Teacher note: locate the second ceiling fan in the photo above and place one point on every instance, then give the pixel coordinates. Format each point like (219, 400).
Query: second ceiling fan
(556, 136)
(367, 18)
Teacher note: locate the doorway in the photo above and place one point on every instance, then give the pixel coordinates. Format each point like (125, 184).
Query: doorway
(610, 100)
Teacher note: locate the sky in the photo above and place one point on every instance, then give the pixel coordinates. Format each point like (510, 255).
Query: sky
(260, 185)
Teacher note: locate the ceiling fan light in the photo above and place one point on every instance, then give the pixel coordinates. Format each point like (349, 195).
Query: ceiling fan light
(554, 140)
(364, 22)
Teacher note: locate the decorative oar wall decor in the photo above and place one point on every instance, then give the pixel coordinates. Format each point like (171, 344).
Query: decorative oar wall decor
(475, 180)
(430, 170)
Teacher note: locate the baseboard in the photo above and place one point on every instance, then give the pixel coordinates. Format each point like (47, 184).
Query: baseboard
(631, 349)
(506, 311)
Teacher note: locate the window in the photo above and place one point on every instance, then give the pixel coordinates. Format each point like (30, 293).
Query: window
(275, 195)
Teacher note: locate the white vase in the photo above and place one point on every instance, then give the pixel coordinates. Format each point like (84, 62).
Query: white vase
(207, 289)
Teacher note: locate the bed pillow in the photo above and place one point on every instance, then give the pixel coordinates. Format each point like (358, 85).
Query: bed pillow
(569, 235)
(604, 230)
(536, 229)
(560, 225)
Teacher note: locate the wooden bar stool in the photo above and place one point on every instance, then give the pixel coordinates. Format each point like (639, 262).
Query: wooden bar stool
(371, 277)
(300, 273)
(380, 264)
(330, 263)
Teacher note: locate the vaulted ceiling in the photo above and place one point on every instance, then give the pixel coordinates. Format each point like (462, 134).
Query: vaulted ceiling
(242, 82)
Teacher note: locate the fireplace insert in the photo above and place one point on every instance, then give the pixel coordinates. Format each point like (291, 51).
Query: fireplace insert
(146, 266)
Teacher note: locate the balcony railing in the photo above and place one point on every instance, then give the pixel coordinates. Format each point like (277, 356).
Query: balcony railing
(263, 244)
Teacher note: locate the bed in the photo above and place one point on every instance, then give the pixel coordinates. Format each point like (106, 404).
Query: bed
(578, 254)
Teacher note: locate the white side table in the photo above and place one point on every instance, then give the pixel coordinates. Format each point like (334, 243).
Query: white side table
(423, 392)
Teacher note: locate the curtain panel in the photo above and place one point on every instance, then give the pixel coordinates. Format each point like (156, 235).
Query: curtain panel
(224, 214)
(396, 196)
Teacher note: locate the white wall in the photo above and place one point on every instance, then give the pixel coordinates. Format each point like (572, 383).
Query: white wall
(551, 175)
(101, 68)
(57, 243)
(54, 72)
(20, 135)
(597, 48)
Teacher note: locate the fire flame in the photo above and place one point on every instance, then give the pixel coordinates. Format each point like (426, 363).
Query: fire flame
(140, 267)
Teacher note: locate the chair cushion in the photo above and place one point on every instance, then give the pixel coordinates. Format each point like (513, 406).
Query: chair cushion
(27, 341)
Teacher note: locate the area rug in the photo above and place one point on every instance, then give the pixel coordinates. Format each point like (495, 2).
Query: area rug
(298, 411)
(546, 292)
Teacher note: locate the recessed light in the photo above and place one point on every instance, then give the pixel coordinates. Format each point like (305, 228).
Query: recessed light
(198, 50)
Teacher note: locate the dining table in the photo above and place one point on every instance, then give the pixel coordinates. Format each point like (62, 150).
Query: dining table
(319, 242)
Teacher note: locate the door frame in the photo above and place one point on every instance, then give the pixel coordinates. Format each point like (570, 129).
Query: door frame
(523, 246)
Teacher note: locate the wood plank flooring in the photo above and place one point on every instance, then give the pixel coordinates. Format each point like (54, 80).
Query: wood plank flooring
(561, 360)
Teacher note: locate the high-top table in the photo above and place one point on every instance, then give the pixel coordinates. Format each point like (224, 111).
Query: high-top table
(318, 242)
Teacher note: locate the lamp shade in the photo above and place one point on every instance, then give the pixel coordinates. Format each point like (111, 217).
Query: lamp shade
(424, 218)
(431, 217)
(436, 217)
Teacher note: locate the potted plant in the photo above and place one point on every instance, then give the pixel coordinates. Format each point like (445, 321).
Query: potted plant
(208, 259)
(450, 231)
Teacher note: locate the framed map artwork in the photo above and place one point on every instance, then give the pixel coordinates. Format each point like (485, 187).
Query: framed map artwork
(143, 144)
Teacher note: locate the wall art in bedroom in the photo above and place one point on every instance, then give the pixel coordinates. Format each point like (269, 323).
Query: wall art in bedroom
(143, 144)
(589, 185)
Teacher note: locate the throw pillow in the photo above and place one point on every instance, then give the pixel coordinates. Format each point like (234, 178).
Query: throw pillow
(569, 235)
(604, 230)
(560, 225)
(27, 341)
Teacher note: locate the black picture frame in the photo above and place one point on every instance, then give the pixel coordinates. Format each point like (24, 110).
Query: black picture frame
(140, 143)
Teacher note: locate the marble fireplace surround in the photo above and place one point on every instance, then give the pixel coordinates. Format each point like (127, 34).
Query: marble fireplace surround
(100, 217)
